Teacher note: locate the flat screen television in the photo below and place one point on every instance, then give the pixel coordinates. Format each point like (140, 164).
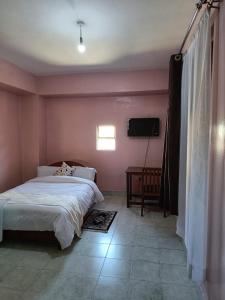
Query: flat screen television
(144, 127)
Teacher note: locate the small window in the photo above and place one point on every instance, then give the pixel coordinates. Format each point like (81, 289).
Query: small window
(106, 137)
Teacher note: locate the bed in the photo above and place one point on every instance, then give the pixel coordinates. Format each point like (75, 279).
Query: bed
(48, 207)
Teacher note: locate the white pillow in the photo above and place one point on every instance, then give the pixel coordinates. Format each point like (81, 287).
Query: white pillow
(84, 172)
(46, 171)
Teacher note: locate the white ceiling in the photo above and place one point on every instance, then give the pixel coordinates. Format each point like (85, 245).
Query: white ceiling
(41, 36)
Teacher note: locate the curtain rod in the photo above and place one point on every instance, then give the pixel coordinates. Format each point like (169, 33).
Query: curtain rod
(199, 5)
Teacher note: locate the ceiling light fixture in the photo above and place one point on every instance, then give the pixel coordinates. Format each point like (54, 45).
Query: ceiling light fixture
(81, 47)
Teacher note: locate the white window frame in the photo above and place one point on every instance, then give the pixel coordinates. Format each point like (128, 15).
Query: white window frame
(105, 138)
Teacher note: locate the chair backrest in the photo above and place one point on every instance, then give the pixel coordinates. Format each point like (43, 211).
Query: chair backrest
(151, 179)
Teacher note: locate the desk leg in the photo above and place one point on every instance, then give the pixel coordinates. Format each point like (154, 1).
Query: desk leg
(128, 190)
(130, 185)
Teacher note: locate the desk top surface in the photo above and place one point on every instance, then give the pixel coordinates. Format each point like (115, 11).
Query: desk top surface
(134, 170)
(137, 170)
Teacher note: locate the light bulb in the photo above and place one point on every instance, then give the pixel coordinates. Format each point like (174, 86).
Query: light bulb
(81, 48)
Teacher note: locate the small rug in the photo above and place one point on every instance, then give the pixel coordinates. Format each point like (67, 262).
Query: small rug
(99, 220)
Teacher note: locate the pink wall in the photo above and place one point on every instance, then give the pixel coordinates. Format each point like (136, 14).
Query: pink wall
(153, 81)
(15, 79)
(107, 101)
(32, 135)
(22, 138)
(10, 170)
(42, 134)
(71, 133)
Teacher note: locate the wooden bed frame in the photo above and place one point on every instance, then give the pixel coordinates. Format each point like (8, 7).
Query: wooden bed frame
(72, 163)
(39, 236)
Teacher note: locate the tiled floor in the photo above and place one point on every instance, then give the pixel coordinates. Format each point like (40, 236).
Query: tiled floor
(138, 259)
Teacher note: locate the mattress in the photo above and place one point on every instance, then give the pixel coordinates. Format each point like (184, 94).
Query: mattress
(51, 203)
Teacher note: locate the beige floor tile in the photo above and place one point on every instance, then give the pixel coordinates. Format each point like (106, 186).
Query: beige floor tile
(143, 290)
(176, 292)
(120, 252)
(145, 270)
(87, 248)
(19, 278)
(109, 288)
(174, 274)
(116, 268)
(170, 256)
(145, 260)
(147, 254)
(9, 294)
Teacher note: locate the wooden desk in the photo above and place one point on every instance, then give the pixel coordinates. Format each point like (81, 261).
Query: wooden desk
(131, 173)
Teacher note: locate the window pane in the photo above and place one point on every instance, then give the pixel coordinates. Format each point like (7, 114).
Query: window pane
(106, 131)
(106, 144)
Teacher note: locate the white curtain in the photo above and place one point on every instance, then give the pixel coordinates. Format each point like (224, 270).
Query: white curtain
(196, 118)
(185, 96)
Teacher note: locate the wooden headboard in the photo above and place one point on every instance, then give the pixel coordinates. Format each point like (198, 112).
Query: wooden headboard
(71, 163)
(68, 162)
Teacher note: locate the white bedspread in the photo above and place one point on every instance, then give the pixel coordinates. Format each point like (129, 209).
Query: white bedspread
(51, 203)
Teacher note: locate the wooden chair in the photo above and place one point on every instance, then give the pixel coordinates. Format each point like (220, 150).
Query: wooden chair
(151, 179)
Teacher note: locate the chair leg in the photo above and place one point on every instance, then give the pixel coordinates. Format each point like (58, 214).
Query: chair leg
(142, 207)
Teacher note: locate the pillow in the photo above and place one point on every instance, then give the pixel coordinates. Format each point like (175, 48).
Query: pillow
(46, 171)
(84, 172)
(64, 170)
